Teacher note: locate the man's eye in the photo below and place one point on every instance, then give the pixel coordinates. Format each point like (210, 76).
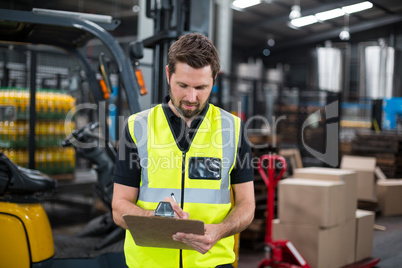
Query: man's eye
(183, 86)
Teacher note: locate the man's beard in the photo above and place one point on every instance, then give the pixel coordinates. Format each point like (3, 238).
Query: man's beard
(184, 112)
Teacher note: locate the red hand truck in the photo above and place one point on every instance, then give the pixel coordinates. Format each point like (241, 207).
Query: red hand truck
(282, 253)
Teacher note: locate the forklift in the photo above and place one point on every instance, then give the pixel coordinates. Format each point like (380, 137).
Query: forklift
(27, 239)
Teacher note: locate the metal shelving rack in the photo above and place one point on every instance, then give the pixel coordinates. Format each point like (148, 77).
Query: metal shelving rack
(68, 31)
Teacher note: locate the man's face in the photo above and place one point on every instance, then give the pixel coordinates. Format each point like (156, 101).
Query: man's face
(190, 89)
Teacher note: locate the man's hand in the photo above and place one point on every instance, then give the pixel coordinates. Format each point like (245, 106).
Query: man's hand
(236, 221)
(179, 213)
(201, 243)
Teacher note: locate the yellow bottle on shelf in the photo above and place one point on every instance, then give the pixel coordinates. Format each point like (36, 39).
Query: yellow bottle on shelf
(5, 151)
(26, 157)
(12, 99)
(6, 98)
(12, 132)
(20, 157)
(58, 105)
(57, 159)
(25, 102)
(12, 155)
(44, 133)
(42, 160)
(6, 128)
(70, 159)
(51, 103)
(22, 131)
(19, 102)
(49, 160)
(2, 97)
(1, 131)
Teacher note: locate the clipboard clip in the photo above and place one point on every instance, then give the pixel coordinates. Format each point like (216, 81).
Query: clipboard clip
(164, 209)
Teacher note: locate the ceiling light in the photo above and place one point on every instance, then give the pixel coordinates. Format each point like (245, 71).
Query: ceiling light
(330, 14)
(136, 8)
(245, 3)
(295, 12)
(303, 21)
(357, 7)
(344, 34)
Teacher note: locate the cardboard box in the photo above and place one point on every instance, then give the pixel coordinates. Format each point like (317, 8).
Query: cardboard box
(318, 246)
(364, 234)
(349, 177)
(314, 202)
(365, 167)
(379, 174)
(347, 242)
(389, 194)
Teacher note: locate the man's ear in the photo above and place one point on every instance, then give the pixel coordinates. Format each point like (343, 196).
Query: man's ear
(167, 73)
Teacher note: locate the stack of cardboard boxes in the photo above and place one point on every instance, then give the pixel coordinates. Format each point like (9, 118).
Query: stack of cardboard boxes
(317, 213)
(389, 194)
(366, 180)
(374, 186)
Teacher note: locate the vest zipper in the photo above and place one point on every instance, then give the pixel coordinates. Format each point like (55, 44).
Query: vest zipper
(183, 174)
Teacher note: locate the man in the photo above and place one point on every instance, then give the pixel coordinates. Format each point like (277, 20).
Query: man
(193, 149)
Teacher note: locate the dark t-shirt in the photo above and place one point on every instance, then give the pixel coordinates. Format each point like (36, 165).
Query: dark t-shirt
(127, 169)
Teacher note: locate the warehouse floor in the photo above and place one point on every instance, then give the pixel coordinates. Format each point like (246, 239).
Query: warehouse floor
(69, 219)
(387, 245)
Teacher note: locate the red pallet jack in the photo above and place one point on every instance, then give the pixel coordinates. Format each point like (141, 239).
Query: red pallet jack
(279, 253)
(282, 253)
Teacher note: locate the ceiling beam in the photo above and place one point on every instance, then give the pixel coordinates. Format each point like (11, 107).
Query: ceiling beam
(379, 6)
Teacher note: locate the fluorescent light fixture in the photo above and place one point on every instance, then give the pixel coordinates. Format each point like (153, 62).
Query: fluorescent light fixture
(330, 14)
(245, 3)
(357, 7)
(303, 21)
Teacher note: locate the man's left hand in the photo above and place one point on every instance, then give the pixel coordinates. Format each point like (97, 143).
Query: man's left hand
(201, 243)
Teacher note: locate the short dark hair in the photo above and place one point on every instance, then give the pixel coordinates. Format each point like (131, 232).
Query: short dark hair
(196, 50)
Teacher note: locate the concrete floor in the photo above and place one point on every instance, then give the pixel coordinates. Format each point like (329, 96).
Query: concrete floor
(387, 246)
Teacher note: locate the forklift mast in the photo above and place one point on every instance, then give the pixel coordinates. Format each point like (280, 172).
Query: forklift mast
(172, 19)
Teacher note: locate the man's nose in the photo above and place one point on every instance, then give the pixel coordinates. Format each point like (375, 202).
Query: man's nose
(192, 95)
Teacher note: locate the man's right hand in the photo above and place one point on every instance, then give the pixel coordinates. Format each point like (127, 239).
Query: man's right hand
(179, 213)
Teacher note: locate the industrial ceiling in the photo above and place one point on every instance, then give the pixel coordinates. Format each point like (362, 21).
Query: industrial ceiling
(254, 26)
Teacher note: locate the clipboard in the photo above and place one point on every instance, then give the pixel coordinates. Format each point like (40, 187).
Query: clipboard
(157, 231)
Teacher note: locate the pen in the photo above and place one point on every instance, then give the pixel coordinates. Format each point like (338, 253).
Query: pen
(172, 196)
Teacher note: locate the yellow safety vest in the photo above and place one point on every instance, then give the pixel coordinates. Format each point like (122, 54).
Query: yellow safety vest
(165, 170)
